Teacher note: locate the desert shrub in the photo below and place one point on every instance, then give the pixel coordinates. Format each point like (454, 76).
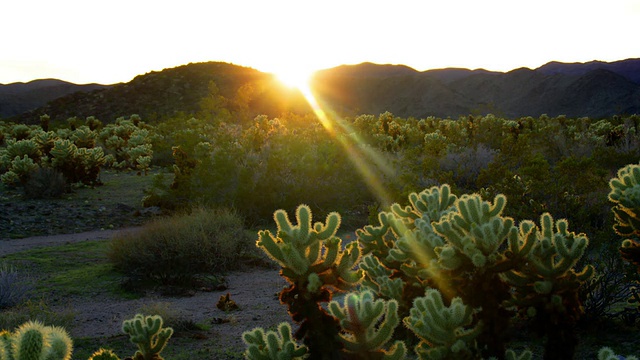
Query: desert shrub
(174, 250)
(13, 287)
(611, 287)
(45, 183)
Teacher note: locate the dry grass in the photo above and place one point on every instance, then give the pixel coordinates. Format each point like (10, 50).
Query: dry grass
(176, 249)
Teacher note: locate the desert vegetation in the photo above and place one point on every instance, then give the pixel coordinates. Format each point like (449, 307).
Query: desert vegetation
(469, 230)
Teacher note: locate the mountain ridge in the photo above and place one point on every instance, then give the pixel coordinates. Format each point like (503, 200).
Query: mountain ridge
(594, 89)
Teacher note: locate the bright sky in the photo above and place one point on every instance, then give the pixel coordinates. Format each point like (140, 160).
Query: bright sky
(113, 41)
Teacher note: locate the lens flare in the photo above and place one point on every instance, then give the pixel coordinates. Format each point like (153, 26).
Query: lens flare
(370, 163)
(365, 158)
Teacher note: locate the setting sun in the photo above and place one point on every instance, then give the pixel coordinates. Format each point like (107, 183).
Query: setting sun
(294, 78)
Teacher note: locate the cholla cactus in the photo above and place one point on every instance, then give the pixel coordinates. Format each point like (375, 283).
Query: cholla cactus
(368, 325)
(104, 354)
(314, 262)
(35, 341)
(129, 144)
(20, 170)
(547, 284)
(446, 331)
(84, 137)
(607, 354)
(21, 148)
(45, 141)
(474, 233)
(148, 334)
(625, 194)
(311, 255)
(452, 244)
(272, 345)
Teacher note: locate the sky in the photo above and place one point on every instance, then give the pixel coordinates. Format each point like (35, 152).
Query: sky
(113, 41)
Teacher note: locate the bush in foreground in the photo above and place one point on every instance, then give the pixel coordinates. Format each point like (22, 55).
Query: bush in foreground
(174, 250)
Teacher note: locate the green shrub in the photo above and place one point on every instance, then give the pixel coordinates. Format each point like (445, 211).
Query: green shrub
(174, 250)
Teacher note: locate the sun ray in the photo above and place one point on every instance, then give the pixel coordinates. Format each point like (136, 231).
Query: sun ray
(365, 159)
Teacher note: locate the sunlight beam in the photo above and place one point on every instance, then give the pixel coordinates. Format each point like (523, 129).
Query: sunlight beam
(365, 160)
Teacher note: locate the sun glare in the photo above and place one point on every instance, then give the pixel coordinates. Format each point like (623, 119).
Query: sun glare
(294, 78)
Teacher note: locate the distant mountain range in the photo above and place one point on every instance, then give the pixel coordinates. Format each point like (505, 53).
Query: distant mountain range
(18, 98)
(594, 89)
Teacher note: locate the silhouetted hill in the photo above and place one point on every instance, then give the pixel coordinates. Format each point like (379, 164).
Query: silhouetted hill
(559, 90)
(448, 75)
(16, 98)
(629, 68)
(183, 90)
(593, 89)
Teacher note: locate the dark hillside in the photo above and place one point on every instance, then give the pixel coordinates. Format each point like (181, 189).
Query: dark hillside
(162, 94)
(17, 98)
(594, 90)
(629, 68)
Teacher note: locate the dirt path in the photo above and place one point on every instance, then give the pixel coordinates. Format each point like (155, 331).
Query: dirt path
(10, 246)
(254, 290)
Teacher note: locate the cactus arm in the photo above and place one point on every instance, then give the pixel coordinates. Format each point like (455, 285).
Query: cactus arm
(61, 345)
(364, 331)
(272, 344)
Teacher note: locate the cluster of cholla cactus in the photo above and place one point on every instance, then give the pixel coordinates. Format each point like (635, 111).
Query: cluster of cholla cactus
(128, 142)
(78, 152)
(453, 269)
(35, 341)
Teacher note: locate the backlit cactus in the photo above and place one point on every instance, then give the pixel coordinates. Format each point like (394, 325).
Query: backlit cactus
(625, 194)
(104, 354)
(148, 334)
(447, 332)
(368, 324)
(19, 172)
(315, 264)
(546, 286)
(303, 250)
(84, 137)
(272, 345)
(35, 341)
(128, 143)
